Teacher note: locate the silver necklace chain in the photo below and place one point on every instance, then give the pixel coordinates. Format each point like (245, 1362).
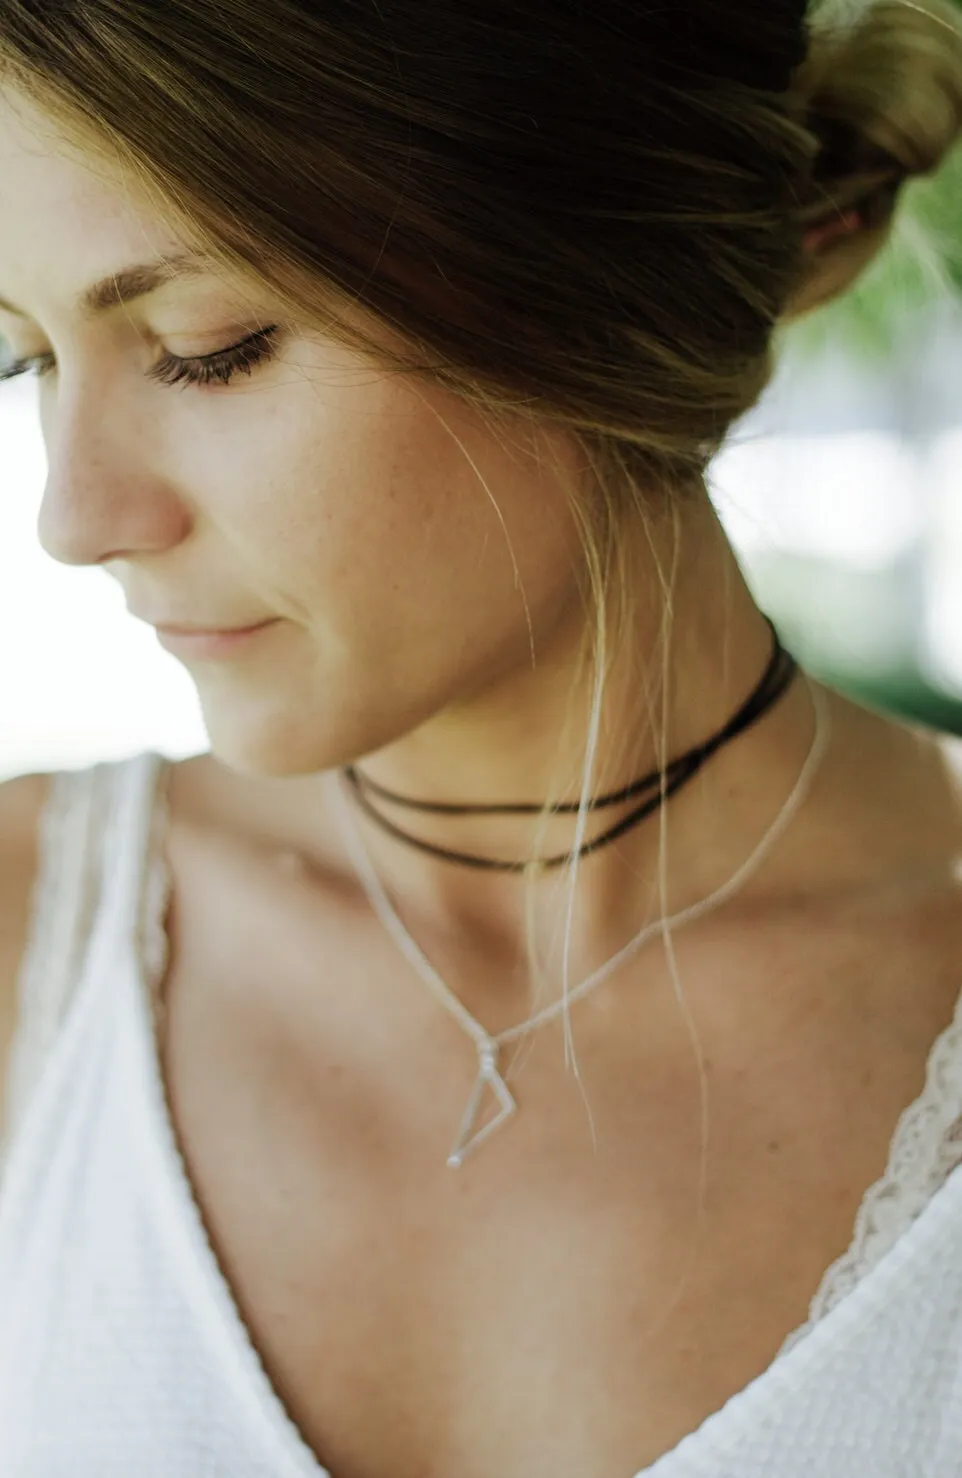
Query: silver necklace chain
(489, 1047)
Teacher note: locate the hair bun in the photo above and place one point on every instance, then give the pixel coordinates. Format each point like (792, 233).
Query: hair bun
(882, 90)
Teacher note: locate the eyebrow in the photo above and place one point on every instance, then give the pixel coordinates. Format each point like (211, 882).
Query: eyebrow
(131, 283)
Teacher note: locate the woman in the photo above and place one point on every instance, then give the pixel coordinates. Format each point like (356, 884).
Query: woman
(529, 1041)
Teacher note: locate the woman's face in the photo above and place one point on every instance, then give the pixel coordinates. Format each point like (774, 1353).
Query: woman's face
(398, 545)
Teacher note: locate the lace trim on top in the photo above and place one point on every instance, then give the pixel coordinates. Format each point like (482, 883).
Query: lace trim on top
(925, 1149)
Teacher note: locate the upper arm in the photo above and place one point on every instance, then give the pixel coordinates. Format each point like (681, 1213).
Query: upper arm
(21, 807)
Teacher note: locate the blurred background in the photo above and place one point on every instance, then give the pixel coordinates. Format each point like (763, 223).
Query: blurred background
(841, 491)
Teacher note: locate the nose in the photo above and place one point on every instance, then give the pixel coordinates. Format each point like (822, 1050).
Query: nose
(102, 500)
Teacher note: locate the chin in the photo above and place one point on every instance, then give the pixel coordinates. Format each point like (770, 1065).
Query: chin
(265, 746)
(273, 740)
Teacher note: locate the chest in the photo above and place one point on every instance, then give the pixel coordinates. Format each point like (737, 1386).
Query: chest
(590, 1286)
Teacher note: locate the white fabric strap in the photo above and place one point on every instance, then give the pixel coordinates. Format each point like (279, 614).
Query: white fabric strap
(65, 896)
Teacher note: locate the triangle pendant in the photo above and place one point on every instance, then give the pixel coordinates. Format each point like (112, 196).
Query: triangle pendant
(488, 1077)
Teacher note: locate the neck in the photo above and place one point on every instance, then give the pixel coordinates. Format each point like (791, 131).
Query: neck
(525, 738)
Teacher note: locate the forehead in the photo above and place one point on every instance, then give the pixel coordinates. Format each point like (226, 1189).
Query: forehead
(66, 217)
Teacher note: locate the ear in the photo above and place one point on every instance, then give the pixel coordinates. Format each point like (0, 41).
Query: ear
(819, 237)
(837, 251)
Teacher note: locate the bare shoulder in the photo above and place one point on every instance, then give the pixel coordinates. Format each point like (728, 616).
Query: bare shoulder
(22, 801)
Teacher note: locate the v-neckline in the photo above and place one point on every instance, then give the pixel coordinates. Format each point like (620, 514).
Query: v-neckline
(146, 951)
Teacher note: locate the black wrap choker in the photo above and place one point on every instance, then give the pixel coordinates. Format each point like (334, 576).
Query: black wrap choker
(775, 682)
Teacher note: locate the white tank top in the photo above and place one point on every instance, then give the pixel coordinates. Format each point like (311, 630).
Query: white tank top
(122, 1350)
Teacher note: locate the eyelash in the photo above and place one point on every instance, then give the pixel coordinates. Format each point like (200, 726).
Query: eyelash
(240, 358)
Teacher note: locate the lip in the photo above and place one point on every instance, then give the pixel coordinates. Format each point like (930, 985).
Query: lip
(191, 642)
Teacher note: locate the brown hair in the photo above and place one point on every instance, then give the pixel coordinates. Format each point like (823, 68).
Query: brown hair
(590, 214)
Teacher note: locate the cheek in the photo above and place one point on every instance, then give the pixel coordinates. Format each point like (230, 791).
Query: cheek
(400, 542)
(391, 521)
(406, 588)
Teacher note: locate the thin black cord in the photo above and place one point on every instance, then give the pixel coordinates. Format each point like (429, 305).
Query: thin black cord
(776, 680)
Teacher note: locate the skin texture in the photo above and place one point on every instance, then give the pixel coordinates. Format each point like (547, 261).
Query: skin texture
(412, 559)
(573, 1304)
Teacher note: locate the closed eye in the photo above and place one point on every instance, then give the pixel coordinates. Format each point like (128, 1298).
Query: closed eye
(223, 366)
